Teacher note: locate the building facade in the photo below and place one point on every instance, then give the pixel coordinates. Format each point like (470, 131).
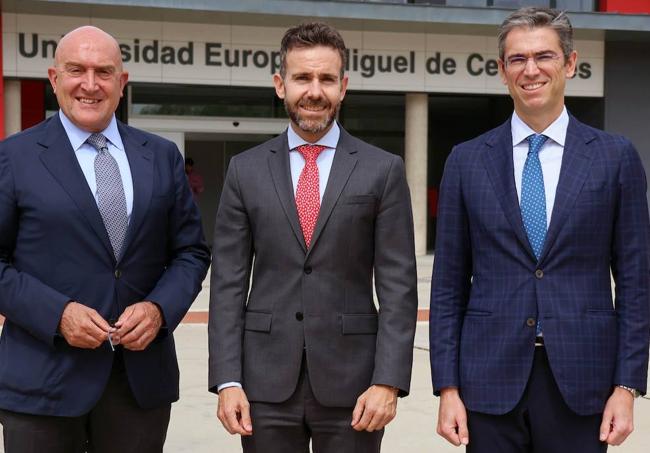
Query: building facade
(423, 74)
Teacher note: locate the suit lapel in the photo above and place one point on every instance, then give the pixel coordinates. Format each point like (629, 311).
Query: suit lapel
(141, 163)
(576, 161)
(499, 164)
(281, 175)
(342, 166)
(59, 158)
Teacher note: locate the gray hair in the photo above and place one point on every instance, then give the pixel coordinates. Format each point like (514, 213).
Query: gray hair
(533, 17)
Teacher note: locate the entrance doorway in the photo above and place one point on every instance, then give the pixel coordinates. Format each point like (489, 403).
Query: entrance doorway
(211, 154)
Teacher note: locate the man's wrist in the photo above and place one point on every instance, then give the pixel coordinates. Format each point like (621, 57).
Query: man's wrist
(395, 390)
(635, 393)
(449, 391)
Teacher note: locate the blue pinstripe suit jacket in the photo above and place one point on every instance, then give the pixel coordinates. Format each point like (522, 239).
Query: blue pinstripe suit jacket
(487, 283)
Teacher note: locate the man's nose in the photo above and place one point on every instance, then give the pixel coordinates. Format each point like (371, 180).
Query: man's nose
(89, 82)
(314, 89)
(531, 67)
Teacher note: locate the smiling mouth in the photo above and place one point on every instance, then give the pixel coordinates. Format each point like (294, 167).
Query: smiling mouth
(313, 107)
(89, 101)
(533, 86)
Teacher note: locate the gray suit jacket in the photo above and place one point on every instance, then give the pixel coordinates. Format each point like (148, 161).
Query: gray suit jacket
(320, 300)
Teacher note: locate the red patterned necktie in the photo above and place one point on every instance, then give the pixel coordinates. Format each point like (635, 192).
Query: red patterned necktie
(308, 193)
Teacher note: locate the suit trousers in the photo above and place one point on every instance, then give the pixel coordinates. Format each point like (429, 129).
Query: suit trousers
(289, 426)
(116, 423)
(540, 423)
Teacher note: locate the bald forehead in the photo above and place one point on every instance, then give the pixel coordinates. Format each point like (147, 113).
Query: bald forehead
(89, 36)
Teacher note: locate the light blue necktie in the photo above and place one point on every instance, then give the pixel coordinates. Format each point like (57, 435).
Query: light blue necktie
(533, 198)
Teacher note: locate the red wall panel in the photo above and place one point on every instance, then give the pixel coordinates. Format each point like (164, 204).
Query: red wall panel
(625, 6)
(32, 103)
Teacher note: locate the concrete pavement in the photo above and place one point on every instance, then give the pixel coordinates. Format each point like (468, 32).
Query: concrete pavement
(194, 427)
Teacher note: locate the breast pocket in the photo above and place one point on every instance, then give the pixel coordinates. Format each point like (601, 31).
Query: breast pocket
(360, 200)
(594, 193)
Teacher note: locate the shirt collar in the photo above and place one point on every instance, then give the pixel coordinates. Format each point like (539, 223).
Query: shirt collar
(556, 131)
(329, 140)
(78, 136)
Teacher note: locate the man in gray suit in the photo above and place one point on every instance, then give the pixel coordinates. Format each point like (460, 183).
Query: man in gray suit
(316, 213)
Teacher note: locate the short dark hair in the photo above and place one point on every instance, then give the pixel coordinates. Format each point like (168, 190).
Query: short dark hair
(533, 17)
(308, 35)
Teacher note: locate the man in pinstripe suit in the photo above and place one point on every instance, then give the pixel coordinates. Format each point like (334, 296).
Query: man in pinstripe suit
(528, 350)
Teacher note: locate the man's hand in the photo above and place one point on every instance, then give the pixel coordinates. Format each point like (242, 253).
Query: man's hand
(375, 408)
(83, 327)
(139, 325)
(618, 417)
(234, 411)
(452, 417)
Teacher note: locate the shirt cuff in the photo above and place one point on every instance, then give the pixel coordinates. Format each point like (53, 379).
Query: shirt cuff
(228, 384)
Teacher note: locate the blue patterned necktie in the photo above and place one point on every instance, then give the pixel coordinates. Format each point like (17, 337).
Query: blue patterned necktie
(111, 199)
(533, 198)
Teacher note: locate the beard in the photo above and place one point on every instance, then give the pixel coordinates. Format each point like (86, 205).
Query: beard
(313, 126)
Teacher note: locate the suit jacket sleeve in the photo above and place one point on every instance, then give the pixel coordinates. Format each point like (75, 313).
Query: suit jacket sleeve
(189, 255)
(233, 254)
(24, 300)
(630, 268)
(450, 283)
(395, 282)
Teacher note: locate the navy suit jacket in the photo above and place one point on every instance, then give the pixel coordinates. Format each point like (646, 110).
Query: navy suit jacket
(54, 249)
(488, 289)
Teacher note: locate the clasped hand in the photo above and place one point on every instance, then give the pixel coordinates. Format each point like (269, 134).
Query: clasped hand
(84, 327)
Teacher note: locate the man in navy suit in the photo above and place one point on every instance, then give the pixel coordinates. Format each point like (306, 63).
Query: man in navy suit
(101, 255)
(528, 350)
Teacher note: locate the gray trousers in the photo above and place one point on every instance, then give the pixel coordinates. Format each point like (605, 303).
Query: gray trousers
(288, 426)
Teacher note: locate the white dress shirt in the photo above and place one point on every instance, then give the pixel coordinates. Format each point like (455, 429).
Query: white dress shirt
(86, 154)
(297, 163)
(550, 155)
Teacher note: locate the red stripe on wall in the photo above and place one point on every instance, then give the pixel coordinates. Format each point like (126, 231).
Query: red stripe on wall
(32, 103)
(625, 6)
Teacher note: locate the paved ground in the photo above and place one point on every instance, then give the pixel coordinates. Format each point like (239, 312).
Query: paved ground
(194, 427)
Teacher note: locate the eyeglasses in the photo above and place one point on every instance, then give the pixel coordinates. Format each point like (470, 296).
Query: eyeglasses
(519, 62)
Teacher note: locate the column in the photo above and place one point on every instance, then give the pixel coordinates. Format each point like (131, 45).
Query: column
(12, 107)
(415, 159)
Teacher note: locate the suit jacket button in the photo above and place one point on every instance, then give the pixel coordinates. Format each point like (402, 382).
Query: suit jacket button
(539, 273)
(307, 270)
(117, 273)
(530, 322)
(299, 316)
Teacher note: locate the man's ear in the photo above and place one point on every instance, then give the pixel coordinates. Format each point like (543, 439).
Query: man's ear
(570, 65)
(344, 86)
(52, 76)
(124, 78)
(278, 82)
(502, 71)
